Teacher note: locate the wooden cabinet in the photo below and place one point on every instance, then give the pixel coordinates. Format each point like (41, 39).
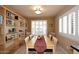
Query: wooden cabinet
(12, 30)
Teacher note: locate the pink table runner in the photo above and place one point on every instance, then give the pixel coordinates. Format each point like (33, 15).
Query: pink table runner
(40, 44)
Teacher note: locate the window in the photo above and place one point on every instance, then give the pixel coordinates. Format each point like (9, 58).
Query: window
(73, 23)
(78, 22)
(65, 24)
(39, 27)
(69, 23)
(60, 25)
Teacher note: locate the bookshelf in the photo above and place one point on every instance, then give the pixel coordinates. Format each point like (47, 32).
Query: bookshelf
(12, 30)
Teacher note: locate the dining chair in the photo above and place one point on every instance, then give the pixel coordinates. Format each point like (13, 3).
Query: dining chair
(55, 40)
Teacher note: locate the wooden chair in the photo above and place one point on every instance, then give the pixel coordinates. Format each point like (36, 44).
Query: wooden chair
(26, 41)
(50, 36)
(55, 40)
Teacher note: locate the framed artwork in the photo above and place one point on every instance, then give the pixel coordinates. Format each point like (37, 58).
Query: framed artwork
(1, 19)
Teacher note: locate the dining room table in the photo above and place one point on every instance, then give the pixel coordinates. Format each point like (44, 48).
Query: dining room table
(31, 43)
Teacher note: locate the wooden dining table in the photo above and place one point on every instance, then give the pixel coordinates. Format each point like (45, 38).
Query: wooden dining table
(31, 42)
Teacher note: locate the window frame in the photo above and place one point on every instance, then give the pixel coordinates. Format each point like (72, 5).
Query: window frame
(39, 24)
(76, 36)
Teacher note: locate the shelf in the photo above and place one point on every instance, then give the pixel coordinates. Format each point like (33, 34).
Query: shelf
(11, 36)
(10, 27)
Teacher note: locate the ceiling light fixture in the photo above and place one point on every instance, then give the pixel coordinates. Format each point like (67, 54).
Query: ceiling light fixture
(38, 10)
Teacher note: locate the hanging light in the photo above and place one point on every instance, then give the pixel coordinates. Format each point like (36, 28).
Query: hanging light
(38, 10)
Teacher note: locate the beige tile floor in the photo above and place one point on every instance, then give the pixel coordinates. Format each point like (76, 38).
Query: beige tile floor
(22, 50)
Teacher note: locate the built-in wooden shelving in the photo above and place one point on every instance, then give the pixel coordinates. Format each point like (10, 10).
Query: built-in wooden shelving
(12, 30)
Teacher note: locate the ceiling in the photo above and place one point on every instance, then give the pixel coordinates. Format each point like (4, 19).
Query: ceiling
(28, 10)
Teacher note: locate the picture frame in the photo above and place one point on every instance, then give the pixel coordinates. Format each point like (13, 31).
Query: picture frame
(1, 19)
